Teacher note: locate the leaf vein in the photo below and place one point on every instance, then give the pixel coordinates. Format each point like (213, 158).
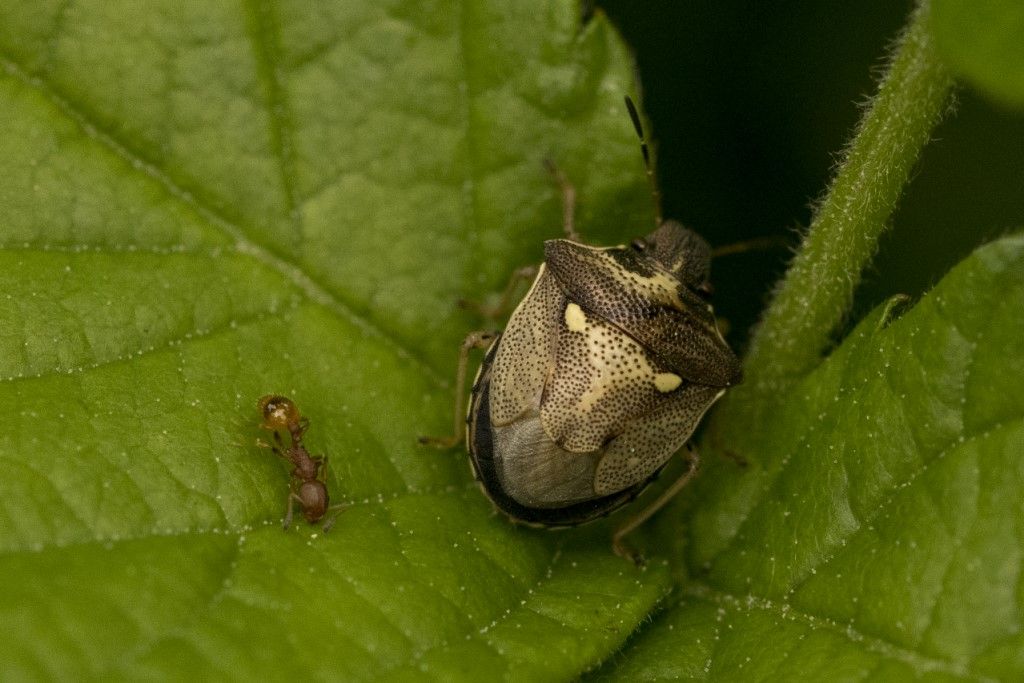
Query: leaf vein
(885, 502)
(479, 634)
(919, 661)
(471, 169)
(264, 35)
(190, 336)
(291, 270)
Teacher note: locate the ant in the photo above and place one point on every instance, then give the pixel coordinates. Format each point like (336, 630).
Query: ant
(307, 486)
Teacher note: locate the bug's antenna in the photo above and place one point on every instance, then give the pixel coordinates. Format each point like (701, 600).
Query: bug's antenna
(645, 149)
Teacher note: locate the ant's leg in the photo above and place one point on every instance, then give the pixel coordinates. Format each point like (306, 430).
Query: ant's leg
(568, 200)
(631, 524)
(475, 340)
(298, 429)
(276, 436)
(277, 451)
(292, 497)
(337, 510)
(277, 446)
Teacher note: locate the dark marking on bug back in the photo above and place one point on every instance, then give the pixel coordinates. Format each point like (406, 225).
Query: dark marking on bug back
(654, 305)
(308, 485)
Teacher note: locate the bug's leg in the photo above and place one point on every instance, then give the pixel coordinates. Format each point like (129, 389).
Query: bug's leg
(568, 200)
(621, 549)
(474, 340)
(753, 244)
(508, 295)
(723, 451)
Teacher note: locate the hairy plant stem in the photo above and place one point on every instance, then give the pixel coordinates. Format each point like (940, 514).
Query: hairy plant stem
(816, 293)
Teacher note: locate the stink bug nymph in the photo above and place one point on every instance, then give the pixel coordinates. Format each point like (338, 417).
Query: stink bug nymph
(602, 373)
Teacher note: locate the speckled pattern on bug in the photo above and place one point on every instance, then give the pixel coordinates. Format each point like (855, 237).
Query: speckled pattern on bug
(602, 374)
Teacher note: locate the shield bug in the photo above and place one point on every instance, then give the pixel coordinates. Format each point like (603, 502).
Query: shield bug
(308, 485)
(602, 373)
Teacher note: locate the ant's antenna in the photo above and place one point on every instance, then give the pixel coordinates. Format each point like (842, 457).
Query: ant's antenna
(646, 151)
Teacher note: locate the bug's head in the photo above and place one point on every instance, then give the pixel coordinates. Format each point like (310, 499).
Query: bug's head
(680, 251)
(278, 412)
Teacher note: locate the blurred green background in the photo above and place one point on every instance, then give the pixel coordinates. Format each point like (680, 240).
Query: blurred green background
(751, 104)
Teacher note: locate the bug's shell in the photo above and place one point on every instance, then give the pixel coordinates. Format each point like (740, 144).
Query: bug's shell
(603, 372)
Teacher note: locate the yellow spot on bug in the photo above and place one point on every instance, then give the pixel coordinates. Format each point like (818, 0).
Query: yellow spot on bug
(667, 381)
(575, 318)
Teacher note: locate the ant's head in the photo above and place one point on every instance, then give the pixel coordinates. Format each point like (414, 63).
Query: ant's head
(278, 412)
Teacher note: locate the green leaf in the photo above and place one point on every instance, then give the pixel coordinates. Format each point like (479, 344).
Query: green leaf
(877, 531)
(202, 204)
(981, 39)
